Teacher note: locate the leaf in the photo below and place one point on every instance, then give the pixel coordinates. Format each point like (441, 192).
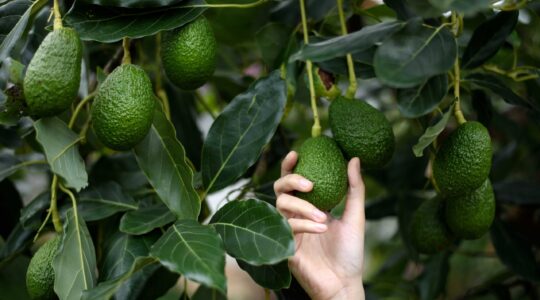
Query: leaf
(107, 289)
(17, 241)
(421, 100)
(111, 24)
(13, 279)
(431, 133)
(350, 43)
(146, 219)
(206, 293)
(75, 262)
(163, 160)
(495, 85)
(96, 203)
(400, 7)
(273, 277)
(133, 3)
(521, 192)
(271, 41)
(463, 6)
(413, 54)
(488, 38)
(239, 134)
(11, 11)
(31, 214)
(195, 251)
(432, 283)
(253, 231)
(9, 164)
(61, 150)
(516, 253)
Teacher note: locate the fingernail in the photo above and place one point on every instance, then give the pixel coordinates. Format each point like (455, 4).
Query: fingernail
(319, 215)
(305, 183)
(320, 227)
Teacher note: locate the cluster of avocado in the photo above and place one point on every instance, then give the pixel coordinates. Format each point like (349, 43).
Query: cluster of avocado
(359, 130)
(465, 205)
(124, 104)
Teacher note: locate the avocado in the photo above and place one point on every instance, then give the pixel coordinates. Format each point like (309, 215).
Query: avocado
(362, 131)
(429, 233)
(463, 160)
(188, 54)
(123, 107)
(52, 78)
(321, 162)
(324, 84)
(40, 273)
(470, 215)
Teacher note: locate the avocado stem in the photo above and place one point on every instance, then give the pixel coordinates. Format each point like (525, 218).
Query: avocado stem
(458, 114)
(127, 55)
(57, 16)
(353, 85)
(53, 208)
(78, 109)
(316, 128)
(230, 5)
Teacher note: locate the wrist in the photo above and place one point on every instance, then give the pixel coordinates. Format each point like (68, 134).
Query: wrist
(353, 289)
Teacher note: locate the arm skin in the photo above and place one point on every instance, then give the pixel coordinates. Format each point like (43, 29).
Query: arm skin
(329, 256)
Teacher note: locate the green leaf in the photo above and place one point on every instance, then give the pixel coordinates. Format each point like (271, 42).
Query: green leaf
(18, 240)
(75, 261)
(16, 72)
(432, 283)
(239, 134)
(273, 277)
(272, 39)
(31, 214)
(13, 279)
(463, 6)
(100, 202)
(431, 133)
(9, 164)
(107, 289)
(488, 38)
(195, 251)
(146, 219)
(111, 24)
(413, 54)
(421, 100)
(350, 43)
(61, 150)
(10, 12)
(515, 252)
(254, 231)
(206, 293)
(401, 8)
(133, 3)
(498, 87)
(163, 160)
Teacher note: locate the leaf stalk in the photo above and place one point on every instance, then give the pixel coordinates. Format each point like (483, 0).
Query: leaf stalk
(353, 85)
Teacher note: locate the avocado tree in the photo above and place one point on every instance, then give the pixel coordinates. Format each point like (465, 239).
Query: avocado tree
(121, 120)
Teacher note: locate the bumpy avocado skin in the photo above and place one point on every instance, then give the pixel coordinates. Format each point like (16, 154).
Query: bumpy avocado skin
(54, 73)
(362, 131)
(469, 216)
(321, 162)
(123, 108)
(189, 54)
(429, 233)
(40, 273)
(463, 161)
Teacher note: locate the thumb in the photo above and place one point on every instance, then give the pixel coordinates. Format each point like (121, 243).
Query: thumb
(354, 213)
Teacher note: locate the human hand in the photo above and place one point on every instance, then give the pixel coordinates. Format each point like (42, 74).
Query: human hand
(329, 256)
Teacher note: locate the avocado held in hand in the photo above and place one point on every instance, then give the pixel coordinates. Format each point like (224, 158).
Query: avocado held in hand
(320, 161)
(123, 108)
(40, 273)
(463, 161)
(362, 131)
(189, 54)
(52, 78)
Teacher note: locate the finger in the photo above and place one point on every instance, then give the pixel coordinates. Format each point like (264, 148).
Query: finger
(306, 226)
(294, 206)
(292, 182)
(288, 163)
(354, 208)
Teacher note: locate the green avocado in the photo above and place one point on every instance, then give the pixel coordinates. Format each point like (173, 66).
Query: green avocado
(362, 131)
(321, 162)
(123, 107)
(52, 78)
(324, 84)
(40, 273)
(463, 160)
(469, 216)
(188, 54)
(429, 233)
